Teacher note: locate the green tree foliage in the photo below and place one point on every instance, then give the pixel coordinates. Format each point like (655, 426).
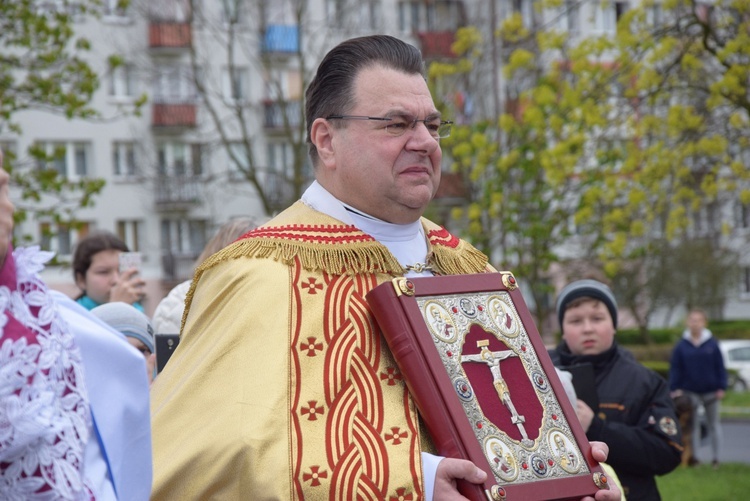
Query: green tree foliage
(640, 140)
(42, 68)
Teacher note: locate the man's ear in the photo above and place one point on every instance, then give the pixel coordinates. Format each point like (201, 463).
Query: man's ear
(321, 135)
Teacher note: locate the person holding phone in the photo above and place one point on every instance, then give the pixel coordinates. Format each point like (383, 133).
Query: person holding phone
(97, 272)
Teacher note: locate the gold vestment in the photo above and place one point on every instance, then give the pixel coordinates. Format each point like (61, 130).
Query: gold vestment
(282, 386)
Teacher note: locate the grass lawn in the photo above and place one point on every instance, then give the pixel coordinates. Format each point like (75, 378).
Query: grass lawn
(730, 482)
(736, 404)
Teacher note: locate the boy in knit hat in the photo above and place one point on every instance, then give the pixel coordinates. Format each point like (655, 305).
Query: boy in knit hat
(636, 417)
(134, 325)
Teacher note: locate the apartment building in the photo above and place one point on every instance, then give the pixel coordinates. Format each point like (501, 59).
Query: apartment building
(224, 82)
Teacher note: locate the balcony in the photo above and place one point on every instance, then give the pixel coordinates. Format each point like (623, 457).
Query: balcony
(173, 115)
(436, 44)
(169, 35)
(279, 116)
(281, 39)
(177, 192)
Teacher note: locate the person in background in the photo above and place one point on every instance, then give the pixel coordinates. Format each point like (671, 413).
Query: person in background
(64, 435)
(134, 325)
(96, 271)
(282, 385)
(697, 369)
(636, 417)
(168, 314)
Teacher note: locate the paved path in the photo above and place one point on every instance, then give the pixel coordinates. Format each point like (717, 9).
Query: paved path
(735, 446)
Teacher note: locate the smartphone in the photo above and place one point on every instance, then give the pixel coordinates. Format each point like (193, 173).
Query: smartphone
(165, 346)
(130, 260)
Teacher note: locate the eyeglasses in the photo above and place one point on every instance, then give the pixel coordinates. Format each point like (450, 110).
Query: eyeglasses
(399, 124)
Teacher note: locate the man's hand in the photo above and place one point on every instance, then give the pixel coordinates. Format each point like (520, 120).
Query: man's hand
(600, 451)
(448, 471)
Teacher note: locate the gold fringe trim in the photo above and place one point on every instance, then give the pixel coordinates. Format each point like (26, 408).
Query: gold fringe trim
(463, 260)
(349, 259)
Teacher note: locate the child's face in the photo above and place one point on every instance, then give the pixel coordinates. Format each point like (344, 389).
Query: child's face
(139, 345)
(101, 276)
(588, 328)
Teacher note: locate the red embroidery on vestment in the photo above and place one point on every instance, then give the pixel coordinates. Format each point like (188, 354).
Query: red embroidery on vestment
(311, 233)
(401, 495)
(312, 286)
(442, 237)
(314, 475)
(396, 435)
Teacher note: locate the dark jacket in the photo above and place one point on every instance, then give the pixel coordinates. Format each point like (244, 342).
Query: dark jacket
(699, 369)
(636, 419)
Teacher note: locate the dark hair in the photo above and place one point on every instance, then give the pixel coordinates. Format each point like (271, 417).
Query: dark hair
(91, 244)
(331, 90)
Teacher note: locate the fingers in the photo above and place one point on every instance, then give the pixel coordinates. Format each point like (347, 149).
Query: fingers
(600, 451)
(461, 469)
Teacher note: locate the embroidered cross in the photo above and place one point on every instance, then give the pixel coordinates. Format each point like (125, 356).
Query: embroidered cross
(312, 411)
(396, 435)
(391, 375)
(314, 475)
(311, 346)
(312, 285)
(401, 495)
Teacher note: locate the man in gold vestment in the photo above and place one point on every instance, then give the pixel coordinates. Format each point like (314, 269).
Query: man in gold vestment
(282, 386)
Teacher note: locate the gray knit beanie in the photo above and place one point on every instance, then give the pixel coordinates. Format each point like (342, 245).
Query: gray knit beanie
(586, 288)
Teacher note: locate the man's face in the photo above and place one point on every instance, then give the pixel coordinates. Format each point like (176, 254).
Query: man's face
(588, 328)
(390, 177)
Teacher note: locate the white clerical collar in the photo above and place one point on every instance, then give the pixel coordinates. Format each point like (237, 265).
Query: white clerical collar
(406, 242)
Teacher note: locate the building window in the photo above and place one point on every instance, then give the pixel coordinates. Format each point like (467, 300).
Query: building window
(60, 238)
(122, 81)
(183, 236)
(123, 159)
(180, 159)
(235, 82)
(231, 11)
(9, 153)
(746, 280)
(568, 16)
(606, 17)
(173, 83)
(72, 160)
(371, 14)
(129, 232)
(238, 160)
(115, 8)
(743, 215)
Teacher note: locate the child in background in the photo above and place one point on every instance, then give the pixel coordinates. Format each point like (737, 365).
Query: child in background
(134, 325)
(636, 417)
(96, 270)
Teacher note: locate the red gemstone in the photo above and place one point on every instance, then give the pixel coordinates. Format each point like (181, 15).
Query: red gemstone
(449, 353)
(455, 310)
(554, 416)
(511, 280)
(501, 491)
(550, 462)
(479, 425)
(480, 308)
(409, 285)
(525, 466)
(523, 348)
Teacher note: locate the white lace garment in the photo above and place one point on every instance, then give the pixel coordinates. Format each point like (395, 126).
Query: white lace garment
(44, 411)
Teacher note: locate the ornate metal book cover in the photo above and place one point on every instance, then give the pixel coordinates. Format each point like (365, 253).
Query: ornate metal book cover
(485, 386)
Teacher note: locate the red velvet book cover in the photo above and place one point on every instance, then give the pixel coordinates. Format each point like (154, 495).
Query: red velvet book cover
(485, 386)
